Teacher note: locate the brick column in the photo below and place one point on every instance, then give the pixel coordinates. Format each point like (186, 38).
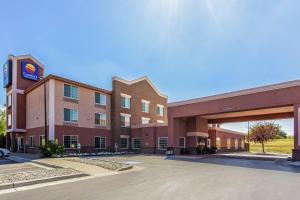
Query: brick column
(296, 150)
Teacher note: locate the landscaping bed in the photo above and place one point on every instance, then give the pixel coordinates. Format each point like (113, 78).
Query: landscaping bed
(12, 180)
(107, 164)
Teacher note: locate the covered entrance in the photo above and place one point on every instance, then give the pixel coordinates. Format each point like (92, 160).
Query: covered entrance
(279, 101)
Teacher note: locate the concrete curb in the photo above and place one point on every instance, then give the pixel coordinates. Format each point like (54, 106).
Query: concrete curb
(33, 182)
(248, 157)
(46, 164)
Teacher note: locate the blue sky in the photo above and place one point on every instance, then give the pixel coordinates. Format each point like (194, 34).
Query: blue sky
(188, 48)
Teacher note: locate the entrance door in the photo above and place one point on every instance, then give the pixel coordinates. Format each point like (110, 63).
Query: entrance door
(20, 143)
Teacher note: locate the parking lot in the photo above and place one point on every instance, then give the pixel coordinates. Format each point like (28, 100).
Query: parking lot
(161, 178)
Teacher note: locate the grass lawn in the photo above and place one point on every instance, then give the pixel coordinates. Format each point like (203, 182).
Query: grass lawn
(284, 146)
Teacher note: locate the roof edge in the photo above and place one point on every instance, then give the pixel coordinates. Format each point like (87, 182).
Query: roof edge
(26, 56)
(238, 93)
(116, 78)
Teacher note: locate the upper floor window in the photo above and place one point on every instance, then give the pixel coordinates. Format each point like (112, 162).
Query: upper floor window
(160, 110)
(9, 100)
(100, 119)
(100, 98)
(145, 106)
(160, 121)
(70, 115)
(70, 91)
(125, 120)
(145, 120)
(125, 101)
(9, 120)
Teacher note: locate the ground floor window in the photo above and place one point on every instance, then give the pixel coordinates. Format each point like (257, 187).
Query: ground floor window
(100, 142)
(42, 140)
(70, 141)
(182, 142)
(136, 143)
(228, 143)
(218, 143)
(31, 141)
(162, 143)
(124, 143)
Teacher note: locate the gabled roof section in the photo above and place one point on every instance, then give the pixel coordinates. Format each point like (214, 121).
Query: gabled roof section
(144, 78)
(238, 93)
(27, 56)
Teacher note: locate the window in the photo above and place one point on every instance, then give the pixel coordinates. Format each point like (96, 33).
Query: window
(70, 115)
(125, 101)
(145, 120)
(182, 142)
(125, 120)
(218, 143)
(100, 98)
(228, 143)
(9, 120)
(162, 143)
(9, 100)
(70, 91)
(100, 142)
(100, 119)
(124, 143)
(145, 106)
(42, 140)
(70, 141)
(236, 143)
(160, 110)
(160, 121)
(136, 143)
(31, 141)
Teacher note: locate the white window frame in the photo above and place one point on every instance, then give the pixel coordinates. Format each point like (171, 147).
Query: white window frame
(70, 136)
(9, 119)
(100, 141)
(132, 141)
(101, 114)
(105, 99)
(127, 138)
(160, 121)
(160, 107)
(126, 96)
(43, 138)
(159, 146)
(71, 109)
(126, 116)
(147, 106)
(71, 86)
(184, 144)
(9, 100)
(145, 119)
(31, 141)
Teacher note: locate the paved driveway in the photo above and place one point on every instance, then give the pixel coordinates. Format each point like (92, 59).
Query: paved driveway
(207, 179)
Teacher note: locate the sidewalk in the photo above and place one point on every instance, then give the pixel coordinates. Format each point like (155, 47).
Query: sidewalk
(252, 156)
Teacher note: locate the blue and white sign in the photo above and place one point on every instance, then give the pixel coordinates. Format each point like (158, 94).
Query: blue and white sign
(7, 74)
(30, 71)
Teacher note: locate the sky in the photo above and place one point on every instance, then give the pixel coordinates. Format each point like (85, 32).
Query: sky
(188, 48)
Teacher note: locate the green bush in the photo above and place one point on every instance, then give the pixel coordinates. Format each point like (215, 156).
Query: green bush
(51, 148)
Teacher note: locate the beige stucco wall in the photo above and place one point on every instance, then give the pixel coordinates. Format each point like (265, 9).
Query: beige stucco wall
(85, 106)
(35, 107)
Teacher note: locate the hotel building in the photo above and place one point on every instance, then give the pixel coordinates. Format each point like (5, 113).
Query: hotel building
(133, 116)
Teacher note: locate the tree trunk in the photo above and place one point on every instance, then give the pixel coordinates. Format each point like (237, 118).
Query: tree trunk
(263, 146)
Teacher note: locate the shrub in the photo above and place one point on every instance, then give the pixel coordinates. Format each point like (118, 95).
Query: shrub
(52, 148)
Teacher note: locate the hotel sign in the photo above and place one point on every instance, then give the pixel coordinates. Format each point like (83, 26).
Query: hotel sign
(7, 73)
(30, 71)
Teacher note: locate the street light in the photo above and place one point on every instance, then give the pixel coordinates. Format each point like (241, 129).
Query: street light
(45, 106)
